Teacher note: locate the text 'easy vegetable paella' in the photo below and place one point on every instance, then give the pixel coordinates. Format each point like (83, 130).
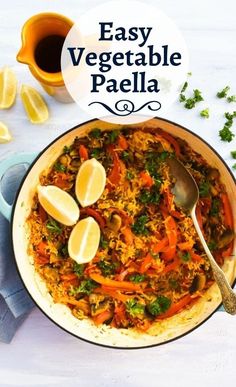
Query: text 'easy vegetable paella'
(109, 241)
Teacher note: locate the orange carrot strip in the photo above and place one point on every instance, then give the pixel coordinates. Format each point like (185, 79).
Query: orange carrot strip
(128, 235)
(42, 249)
(147, 180)
(171, 267)
(122, 143)
(68, 277)
(195, 257)
(42, 214)
(160, 245)
(83, 152)
(113, 293)
(171, 231)
(146, 263)
(175, 308)
(102, 317)
(227, 210)
(185, 245)
(114, 284)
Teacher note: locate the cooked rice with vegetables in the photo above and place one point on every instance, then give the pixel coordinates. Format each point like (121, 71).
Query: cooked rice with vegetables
(150, 264)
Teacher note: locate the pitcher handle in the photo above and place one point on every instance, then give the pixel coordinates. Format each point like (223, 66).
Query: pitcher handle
(5, 164)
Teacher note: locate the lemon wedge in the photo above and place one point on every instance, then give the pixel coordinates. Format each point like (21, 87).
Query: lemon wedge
(90, 182)
(58, 204)
(8, 85)
(84, 240)
(34, 104)
(5, 135)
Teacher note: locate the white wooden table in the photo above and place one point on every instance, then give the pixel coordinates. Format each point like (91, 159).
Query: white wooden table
(41, 354)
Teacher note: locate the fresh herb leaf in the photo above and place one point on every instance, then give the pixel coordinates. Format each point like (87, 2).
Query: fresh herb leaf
(232, 98)
(129, 175)
(190, 103)
(53, 227)
(233, 154)
(226, 134)
(182, 97)
(160, 305)
(139, 226)
(234, 166)
(59, 167)
(205, 113)
(149, 196)
(85, 287)
(66, 149)
(185, 257)
(198, 95)
(204, 189)
(112, 136)
(212, 245)
(103, 243)
(78, 269)
(215, 206)
(96, 153)
(134, 308)
(185, 85)
(223, 93)
(189, 73)
(137, 278)
(174, 284)
(63, 251)
(95, 133)
(106, 267)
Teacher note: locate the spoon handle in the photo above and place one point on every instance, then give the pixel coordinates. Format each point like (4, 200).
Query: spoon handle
(228, 296)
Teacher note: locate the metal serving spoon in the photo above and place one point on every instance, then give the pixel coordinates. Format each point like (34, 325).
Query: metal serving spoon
(186, 195)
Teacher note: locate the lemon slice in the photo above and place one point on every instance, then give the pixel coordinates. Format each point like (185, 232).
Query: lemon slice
(5, 135)
(84, 240)
(90, 182)
(58, 204)
(8, 85)
(34, 104)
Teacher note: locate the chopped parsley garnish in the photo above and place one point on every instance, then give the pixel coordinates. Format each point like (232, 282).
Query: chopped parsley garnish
(134, 308)
(234, 166)
(152, 163)
(95, 133)
(149, 195)
(204, 189)
(231, 98)
(182, 97)
(174, 284)
(78, 269)
(215, 206)
(233, 154)
(139, 226)
(129, 175)
(85, 287)
(212, 245)
(103, 243)
(185, 257)
(160, 305)
(205, 113)
(112, 136)
(137, 278)
(226, 134)
(223, 93)
(66, 149)
(191, 102)
(53, 227)
(96, 152)
(185, 85)
(63, 251)
(106, 267)
(59, 167)
(189, 73)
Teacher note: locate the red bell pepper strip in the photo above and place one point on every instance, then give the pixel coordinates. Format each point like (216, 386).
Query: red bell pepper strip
(115, 173)
(122, 143)
(102, 317)
(227, 210)
(128, 235)
(114, 284)
(147, 180)
(146, 263)
(171, 232)
(83, 153)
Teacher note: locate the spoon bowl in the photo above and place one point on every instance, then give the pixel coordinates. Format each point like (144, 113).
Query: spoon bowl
(186, 196)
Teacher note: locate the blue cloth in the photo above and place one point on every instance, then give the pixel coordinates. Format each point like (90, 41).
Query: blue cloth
(15, 303)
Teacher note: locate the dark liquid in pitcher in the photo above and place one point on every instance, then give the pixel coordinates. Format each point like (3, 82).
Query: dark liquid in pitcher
(48, 53)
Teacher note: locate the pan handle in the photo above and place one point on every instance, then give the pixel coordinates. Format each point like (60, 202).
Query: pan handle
(5, 164)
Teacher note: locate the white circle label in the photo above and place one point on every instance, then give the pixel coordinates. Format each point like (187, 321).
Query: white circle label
(124, 62)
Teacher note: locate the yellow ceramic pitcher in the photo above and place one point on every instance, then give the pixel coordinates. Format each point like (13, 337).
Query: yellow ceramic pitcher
(37, 28)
